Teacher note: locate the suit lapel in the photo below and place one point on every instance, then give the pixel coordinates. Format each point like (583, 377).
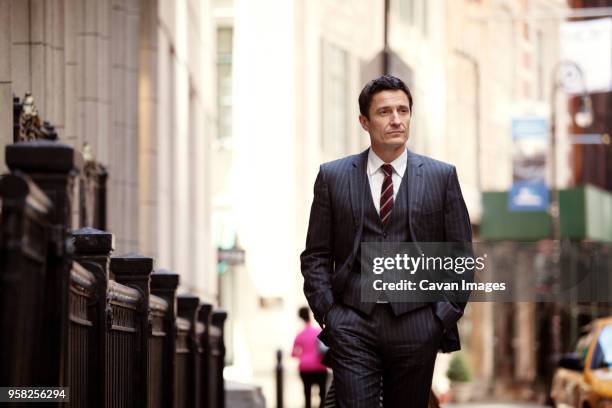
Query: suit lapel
(415, 189)
(357, 184)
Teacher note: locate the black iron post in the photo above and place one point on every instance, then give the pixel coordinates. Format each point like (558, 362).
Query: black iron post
(279, 379)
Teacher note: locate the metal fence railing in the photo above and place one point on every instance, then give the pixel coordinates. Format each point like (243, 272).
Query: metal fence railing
(110, 328)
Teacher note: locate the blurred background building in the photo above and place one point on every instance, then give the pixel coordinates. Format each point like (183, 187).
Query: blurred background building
(134, 80)
(213, 116)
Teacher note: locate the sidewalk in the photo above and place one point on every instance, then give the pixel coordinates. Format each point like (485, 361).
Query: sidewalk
(238, 395)
(494, 404)
(293, 397)
(293, 390)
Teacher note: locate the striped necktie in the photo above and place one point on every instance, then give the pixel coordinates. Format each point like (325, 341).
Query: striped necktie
(386, 194)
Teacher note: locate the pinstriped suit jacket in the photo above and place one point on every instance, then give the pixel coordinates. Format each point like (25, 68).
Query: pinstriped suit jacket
(436, 213)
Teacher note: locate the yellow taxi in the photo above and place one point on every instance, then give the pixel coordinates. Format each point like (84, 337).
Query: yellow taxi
(584, 377)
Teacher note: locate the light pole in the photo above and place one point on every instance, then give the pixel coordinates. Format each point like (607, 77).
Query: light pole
(386, 51)
(563, 72)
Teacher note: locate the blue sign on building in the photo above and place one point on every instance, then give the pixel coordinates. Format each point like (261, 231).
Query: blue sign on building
(526, 196)
(530, 143)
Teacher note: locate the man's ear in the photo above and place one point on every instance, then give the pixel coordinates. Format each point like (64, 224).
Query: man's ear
(365, 123)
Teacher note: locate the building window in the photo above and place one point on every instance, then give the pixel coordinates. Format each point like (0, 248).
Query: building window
(425, 14)
(335, 101)
(406, 10)
(540, 64)
(414, 12)
(224, 82)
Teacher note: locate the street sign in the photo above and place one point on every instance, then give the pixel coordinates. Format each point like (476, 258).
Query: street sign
(590, 138)
(232, 256)
(525, 196)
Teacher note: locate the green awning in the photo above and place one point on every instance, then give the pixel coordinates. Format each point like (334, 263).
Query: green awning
(497, 223)
(585, 213)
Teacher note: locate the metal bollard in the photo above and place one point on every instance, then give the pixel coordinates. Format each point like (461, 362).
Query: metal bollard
(279, 379)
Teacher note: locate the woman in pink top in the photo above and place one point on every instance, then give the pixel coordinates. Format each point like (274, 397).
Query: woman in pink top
(306, 348)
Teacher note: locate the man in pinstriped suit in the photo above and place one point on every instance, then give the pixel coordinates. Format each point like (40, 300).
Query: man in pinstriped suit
(384, 194)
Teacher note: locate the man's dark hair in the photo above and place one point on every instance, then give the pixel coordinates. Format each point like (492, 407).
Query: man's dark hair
(304, 313)
(382, 83)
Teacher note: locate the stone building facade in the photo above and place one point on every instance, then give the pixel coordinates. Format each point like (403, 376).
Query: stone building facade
(132, 79)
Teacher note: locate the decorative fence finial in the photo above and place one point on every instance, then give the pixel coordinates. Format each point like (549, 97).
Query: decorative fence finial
(29, 124)
(88, 155)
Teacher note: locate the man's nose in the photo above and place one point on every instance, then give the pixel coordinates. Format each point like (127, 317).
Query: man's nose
(395, 118)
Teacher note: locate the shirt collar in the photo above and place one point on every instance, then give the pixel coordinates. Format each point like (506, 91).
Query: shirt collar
(399, 164)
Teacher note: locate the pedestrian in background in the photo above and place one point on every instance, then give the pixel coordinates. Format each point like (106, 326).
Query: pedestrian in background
(306, 347)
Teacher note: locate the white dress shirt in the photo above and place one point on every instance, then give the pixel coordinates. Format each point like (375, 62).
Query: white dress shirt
(376, 175)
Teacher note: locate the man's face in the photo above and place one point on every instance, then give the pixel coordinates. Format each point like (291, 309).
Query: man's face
(389, 120)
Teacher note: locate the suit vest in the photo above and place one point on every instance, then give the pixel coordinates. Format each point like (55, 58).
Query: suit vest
(396, 230)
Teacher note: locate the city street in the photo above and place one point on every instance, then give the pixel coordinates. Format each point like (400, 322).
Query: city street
(212, 203)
